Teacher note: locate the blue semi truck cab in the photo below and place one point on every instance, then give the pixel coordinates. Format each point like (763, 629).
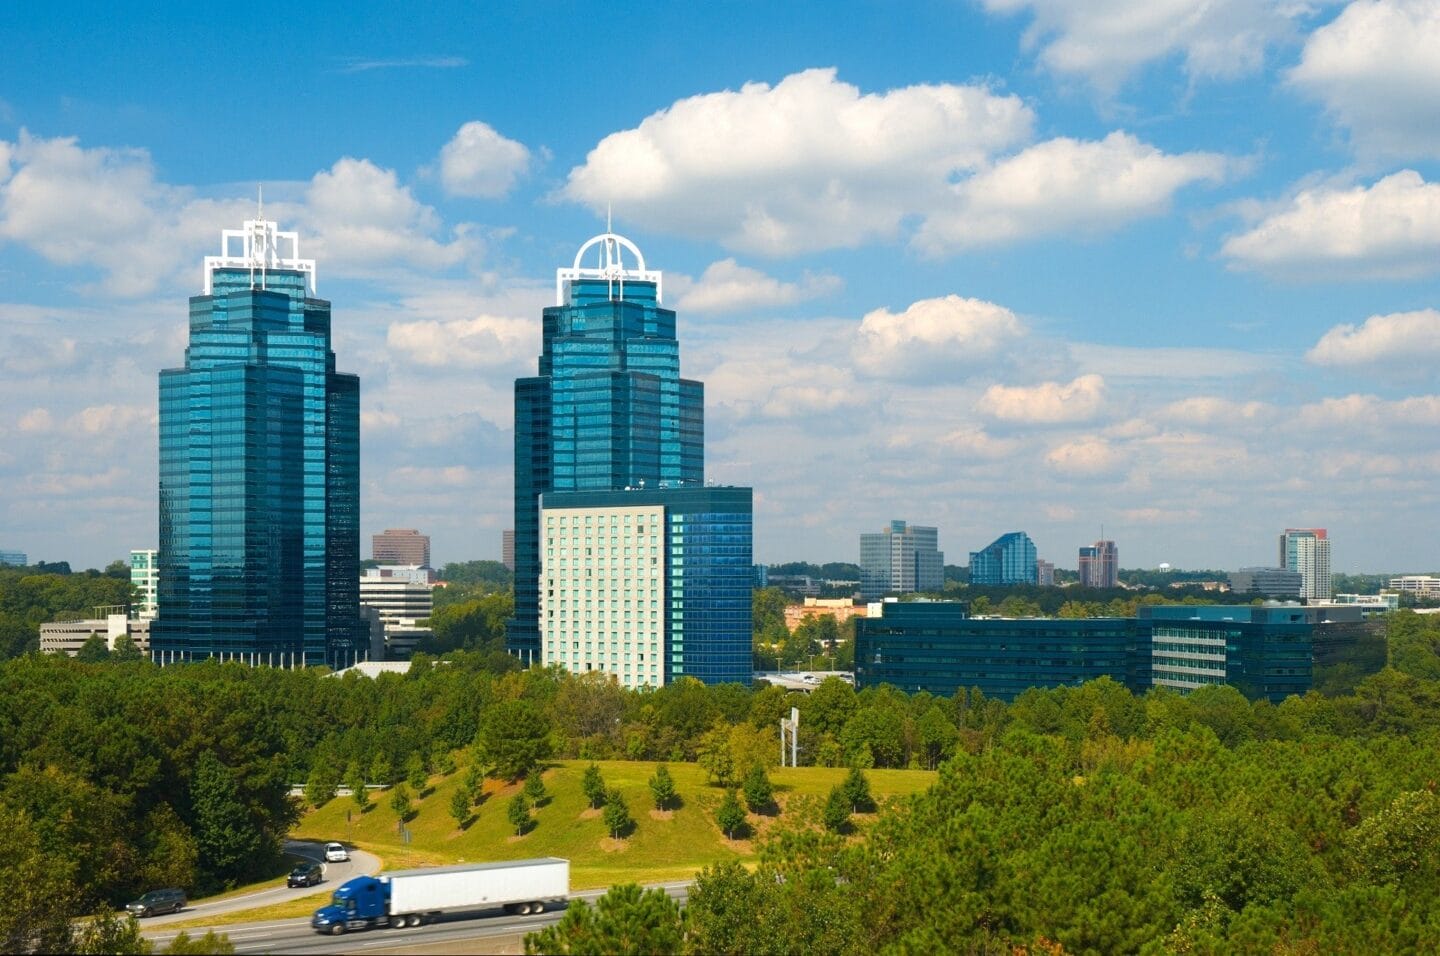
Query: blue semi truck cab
(358, 903)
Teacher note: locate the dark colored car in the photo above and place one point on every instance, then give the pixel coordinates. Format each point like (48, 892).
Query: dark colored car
(158, 901)
(306, 874)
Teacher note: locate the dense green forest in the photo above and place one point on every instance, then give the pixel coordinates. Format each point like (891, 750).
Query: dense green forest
(1083, 815)
(32, 596)
(1090, 820)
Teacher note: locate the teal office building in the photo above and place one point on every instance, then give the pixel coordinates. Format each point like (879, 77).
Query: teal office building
(259, 470)
(1266, 651)
(608, 411)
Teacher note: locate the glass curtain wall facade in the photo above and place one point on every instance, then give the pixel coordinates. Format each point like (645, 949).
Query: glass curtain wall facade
(1009, 559)
(936, 647)
(259, 473)
(607, 411)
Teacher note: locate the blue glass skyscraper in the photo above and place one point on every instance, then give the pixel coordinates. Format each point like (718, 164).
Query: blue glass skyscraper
(1009, 559)
(259, 470)
(607, 411)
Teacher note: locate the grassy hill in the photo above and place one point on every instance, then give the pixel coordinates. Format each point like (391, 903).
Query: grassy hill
(661, 847)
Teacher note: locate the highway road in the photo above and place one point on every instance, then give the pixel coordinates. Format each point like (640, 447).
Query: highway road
(477, 931)
(360, 864)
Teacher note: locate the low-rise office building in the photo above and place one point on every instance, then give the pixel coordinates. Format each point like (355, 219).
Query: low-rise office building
(936, 646)
(67, 637)
(1273, 582)
(1424, 586)
(1266, 651)
(16, 559)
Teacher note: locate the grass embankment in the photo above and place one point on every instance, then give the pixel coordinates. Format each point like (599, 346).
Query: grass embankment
(660, 847)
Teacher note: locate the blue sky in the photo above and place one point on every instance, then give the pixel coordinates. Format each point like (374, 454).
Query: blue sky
(989, 265)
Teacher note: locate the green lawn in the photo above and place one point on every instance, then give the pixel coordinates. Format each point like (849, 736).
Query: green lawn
(656, 850)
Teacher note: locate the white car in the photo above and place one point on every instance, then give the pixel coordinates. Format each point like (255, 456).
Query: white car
(336, 853)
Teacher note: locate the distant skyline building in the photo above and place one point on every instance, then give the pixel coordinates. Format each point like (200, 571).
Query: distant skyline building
(1307, 550)
(607, 424)
(507, 548)
(401, 546)
(145, 579)
(1009, 559)
(259, 548)
(403, 596)
(1423, 586)
(900, 560)
(1100, 565)
(1272, 582)
(14, 558)
(1044, 573)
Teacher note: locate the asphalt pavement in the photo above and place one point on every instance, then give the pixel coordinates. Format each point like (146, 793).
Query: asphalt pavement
(471, 928)
(360, 864)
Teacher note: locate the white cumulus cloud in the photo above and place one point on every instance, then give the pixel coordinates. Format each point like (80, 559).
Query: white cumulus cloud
(809, 163)
(947, 337)
(1064, 186)
(1085, 457)
(103, 208)
(1376, 67)
(1046, 403)
(485, 341)
(1388, 230)
(727, 286)
(363, 216)
(1105, 41)
(480, 163)
(1402, 337)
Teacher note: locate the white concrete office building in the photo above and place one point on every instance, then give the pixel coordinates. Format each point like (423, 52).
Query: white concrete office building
(602, 576)
(67, 637)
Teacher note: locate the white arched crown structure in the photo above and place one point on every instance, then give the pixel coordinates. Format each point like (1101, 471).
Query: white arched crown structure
(259, 247)
(610, 267)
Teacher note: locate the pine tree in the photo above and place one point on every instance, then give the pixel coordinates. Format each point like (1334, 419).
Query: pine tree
(617, 814)
(355, 780)
(857, 791)
(594, 785)
(730, 815)
(460, 802)
(518, 812)
(535, 788)
(759, 793)
(662, 787)
(836, 814)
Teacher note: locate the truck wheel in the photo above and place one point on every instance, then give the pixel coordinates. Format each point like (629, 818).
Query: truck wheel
(338, 929)
(397, 922)
(537, 907)
(414, 919)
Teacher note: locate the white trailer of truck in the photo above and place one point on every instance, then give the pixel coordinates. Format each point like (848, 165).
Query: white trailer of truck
(524, 886)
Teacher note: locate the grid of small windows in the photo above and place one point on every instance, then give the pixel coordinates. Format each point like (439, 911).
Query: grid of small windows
(603, 586)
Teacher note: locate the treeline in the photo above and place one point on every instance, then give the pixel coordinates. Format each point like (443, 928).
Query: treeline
(131, 776)
(1103, 843)
(33, 596)
(1090, 820)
